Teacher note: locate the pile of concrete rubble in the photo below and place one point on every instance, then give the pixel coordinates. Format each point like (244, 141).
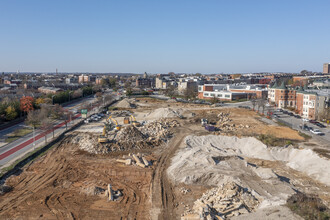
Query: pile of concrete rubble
(89, 143)
(223, 202)
(135, 159)
(225, 125)
(130, 134)
(159, 129)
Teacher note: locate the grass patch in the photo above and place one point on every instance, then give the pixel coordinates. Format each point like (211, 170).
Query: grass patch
(272, 141)
(17, 134)
(236, 101)
(308, 206)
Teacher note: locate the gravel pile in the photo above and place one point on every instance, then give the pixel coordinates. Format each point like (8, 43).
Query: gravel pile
(164, 113)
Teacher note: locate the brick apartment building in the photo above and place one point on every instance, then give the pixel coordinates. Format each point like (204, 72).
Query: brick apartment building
(307, 103)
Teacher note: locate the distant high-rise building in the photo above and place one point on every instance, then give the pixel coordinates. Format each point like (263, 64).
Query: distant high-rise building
(326, 68)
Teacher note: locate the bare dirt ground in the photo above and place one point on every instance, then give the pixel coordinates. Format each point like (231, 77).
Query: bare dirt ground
(61, 184)
(67, 183)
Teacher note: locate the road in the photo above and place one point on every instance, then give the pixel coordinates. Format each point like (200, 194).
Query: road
(25, 144)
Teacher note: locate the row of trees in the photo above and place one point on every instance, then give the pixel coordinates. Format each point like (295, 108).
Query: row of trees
(11, 109)
(45, 117)
(259, 103)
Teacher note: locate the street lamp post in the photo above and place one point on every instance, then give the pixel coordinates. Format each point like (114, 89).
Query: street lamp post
(53, 99)
(70, 95)
(34, 144)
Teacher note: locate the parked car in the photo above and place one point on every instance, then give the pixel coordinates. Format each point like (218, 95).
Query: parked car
(291, 114)
(312, 121)
(305, 120)
(275, 116)
(285, 112)
(297, 116)
(317, 131)
(320, 125)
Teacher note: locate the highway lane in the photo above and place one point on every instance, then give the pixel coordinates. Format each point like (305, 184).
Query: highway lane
(21, 146)
(29, 143)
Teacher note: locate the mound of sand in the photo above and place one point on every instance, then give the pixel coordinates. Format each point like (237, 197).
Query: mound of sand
(125, 103)
(304, 160)
(164, 113)
(217, 160)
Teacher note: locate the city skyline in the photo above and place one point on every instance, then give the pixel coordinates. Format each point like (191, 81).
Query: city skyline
(171, 36)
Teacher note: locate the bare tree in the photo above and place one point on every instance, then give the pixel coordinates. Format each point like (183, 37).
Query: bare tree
(254, 103)
(46, 125)
(34, 118)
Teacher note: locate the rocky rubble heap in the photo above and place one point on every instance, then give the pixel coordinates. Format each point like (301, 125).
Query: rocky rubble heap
(159, 129)
(130, 135)
(225, 201)
(88, 142)
(225, 125)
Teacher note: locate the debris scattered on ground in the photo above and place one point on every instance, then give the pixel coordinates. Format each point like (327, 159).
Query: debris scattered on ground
(224, 201)
(136, 159)
(225, 124)
(184, 190)
(120, 113)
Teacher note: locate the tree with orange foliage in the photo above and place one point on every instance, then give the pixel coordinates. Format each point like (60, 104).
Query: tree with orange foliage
(26, 104)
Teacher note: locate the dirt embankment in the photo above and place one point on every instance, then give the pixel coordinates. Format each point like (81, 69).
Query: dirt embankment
(66, 184)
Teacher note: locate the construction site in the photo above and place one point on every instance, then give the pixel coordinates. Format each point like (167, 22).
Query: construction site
(161, 159)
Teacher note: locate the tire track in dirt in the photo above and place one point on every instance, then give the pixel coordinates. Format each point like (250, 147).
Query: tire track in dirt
(162, 188)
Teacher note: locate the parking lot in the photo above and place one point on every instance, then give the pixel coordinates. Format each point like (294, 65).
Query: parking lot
(309, 127)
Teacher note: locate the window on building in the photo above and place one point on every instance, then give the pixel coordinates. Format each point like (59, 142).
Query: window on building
(206, 94)
(227, 96)
(212, 94)
(219, 95)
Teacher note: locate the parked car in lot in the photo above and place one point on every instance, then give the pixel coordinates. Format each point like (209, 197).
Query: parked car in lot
(317, 131)
(320, 125)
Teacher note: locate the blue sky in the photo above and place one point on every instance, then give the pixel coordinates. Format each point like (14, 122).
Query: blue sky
(207, 36)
